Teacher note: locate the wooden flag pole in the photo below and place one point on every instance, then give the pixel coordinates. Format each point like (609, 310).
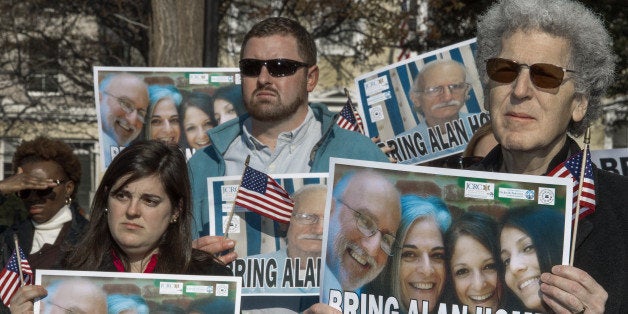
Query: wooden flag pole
(585, 150)
(19, 259)
(226, 232)
(353, 110)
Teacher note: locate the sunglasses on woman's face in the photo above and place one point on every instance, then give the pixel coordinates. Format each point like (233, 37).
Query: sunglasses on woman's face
(543, 75)
(45, 193)
(275, 67)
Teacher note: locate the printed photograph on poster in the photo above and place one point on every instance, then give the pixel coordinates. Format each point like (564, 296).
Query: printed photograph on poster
(418, 239)
(176, 105)
(274, 258)
(113, 292)
(426, 107)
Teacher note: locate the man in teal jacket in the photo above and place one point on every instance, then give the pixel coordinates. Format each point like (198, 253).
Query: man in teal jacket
(281, 133)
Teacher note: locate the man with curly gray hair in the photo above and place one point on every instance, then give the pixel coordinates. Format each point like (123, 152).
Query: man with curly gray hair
(545, 65)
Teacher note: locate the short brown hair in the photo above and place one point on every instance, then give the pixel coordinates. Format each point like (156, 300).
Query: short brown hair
(286, 27)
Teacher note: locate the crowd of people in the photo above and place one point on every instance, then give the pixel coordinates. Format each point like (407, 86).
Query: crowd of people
(544, 67)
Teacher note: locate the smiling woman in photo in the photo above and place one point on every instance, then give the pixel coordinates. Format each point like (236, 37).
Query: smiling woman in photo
(163, 122)
(530, 242)
(473, 253)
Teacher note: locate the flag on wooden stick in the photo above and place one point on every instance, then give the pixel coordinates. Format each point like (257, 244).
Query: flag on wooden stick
(10, 279)
(571, 168)
(262, 194)
(349, 119)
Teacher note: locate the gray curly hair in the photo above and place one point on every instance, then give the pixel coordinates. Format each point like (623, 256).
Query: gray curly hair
(591, 46)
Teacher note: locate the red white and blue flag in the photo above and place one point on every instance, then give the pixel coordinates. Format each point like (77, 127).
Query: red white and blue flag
(571, 169)
(349, 119)
(261, 194)
(10, 277)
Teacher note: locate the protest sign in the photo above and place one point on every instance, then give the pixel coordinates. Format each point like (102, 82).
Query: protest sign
(268, 263)
(411, 239)
(176, 105)
(94, 292)
(426, 107)
(613, 160)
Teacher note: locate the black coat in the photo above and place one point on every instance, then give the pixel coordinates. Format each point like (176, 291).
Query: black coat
(206, 267)
(50, 255)
(69, 235)
(602, 239)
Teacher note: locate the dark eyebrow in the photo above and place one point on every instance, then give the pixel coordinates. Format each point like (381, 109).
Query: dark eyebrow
(412, 246)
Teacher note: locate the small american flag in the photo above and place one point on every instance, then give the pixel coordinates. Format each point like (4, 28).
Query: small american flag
(10, 277)
(261, 194)
(349, 119)
(571, 169)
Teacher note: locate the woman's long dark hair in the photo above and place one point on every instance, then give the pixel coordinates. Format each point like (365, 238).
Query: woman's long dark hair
(140, 160)
(545, 226)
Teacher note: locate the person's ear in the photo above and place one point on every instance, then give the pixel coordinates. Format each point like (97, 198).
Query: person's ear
(312, 77)
(177, 212)
(69, 188)
(175, 215)
(414, 96)
(580, 103)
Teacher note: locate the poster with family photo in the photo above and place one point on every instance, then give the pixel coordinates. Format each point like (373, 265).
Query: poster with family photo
(426, 107)
(412, 239)
(113, 292)
(176, 105)
(273, 258)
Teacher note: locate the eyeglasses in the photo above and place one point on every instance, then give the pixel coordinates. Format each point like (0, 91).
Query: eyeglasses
(306, 219)
(457, 88)
(542, 75)
(45, 193)
(275, 67)
(369, 228)
(128, 107)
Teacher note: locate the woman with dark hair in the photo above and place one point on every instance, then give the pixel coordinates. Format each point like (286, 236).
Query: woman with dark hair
(472, 247)
(140, 220)
(531, 239)
(198, 117)
(228, 103)
(47, 174)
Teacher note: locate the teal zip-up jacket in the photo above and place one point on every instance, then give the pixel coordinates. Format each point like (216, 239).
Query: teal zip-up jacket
(209, 162)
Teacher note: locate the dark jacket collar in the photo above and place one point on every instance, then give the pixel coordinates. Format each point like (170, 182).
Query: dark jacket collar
(494, 159)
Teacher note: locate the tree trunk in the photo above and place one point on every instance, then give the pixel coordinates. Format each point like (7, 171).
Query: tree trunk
(176, 33)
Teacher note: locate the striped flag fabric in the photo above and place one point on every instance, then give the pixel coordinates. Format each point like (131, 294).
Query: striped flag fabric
(571, 169)
(261, 194)
(349, 119)
(10, 277)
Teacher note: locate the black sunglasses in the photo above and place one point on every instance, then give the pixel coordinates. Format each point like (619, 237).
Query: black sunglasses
(276, 67)
(24, 194)
(543, 75)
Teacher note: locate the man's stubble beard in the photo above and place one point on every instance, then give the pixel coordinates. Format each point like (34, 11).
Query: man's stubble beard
(273, 112)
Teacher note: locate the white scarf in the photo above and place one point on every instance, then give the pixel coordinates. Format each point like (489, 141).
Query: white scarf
(48, 231)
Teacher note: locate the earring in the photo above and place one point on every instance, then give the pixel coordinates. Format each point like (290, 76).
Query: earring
(106, 210)
(173, 220)
(68, 200)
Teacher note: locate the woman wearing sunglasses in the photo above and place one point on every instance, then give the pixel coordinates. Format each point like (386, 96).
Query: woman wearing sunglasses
(545, 66)
(46, 178)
